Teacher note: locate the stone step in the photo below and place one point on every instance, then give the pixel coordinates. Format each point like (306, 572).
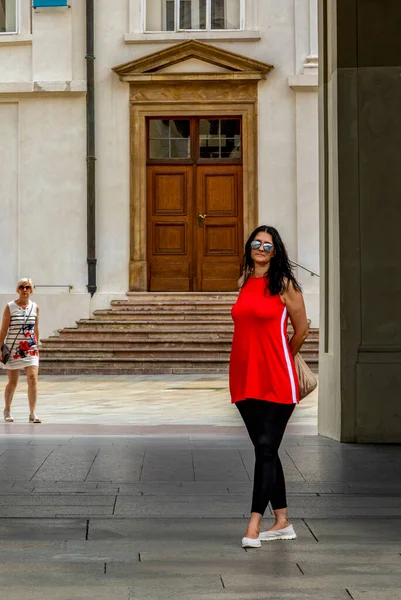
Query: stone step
(134, 342)
(155, 330)
(165, 315)
(143, 365)
(178, 296)
(153, 325)
(88, 338)
(61, 368)
(122, 335)
(184, 351)
(174, 306)
(150, 333)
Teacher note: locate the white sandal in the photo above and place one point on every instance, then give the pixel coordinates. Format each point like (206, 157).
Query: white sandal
(8, 417)
(34, 419)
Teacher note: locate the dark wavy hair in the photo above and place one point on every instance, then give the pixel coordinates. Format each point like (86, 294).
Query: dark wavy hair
(280, 273)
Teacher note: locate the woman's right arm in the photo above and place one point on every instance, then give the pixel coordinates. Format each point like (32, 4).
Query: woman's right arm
(5, 324)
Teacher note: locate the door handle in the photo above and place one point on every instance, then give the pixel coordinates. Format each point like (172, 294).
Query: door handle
(201, 218)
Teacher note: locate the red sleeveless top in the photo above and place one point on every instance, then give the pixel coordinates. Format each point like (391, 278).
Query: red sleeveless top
(261, 364)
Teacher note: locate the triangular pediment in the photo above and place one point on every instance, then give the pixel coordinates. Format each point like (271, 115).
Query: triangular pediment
(185, 52)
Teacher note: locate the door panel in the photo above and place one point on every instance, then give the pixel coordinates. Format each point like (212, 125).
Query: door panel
(219, 226)
(194, 204)
(170, 227)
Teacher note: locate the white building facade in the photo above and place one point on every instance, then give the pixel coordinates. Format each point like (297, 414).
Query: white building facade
(206, 126)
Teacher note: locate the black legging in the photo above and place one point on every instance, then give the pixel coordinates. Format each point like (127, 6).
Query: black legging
(266, 423)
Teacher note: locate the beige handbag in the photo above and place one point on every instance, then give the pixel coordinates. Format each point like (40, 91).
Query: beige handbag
(307, 380)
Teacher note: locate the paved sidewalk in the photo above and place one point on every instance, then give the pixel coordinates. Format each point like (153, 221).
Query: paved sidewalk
(153, 517)
(139, 404)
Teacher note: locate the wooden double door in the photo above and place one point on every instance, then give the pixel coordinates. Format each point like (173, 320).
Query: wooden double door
(195, 205)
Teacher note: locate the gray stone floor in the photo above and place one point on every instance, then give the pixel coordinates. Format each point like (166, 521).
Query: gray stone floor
(143, 517)
(153, 506)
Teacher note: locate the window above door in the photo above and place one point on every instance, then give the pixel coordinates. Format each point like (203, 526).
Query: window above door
(194, 140)
(193, 15)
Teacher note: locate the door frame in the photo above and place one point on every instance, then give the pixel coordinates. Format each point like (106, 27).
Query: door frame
(157, 91)
(138, 267)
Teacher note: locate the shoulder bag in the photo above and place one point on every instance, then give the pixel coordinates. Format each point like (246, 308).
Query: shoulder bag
(307, 380)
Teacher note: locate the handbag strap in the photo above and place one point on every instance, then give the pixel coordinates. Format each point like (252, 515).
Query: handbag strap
(21, 328)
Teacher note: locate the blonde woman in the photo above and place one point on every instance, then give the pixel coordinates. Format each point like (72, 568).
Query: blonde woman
(20, 332)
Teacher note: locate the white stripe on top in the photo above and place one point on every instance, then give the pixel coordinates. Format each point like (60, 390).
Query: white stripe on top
(287, 357)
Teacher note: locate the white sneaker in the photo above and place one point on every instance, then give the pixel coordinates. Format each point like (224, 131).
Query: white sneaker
(251, 542)
(287, 533)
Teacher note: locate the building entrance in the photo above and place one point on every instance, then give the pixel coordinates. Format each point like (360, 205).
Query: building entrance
(194, 203)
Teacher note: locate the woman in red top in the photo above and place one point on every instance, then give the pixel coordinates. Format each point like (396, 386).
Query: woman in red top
(263, 379)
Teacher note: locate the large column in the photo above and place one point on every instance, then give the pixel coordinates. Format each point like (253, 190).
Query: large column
(360, 201)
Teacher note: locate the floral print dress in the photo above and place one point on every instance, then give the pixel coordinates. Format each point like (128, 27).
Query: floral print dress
(24, 352)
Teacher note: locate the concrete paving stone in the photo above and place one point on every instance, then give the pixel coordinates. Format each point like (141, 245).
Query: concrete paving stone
(19, 470)
(344, 501)
(319, 553)
(213, 443)
(218, 465)
(184, 552)
(9, 548)
(54, 511)
(182, 530)
(360, 531)
(67, 487)
(391, 487)
(294, 487)
(353, 568)
(265, 580)
(166, 584)
(42, 529)
(172, 529)
(197, 565)
(16, 570)
(22, 487)
(377, 594)
(49, 440)
(51, 500)
(96, 591)
(21, 452)
(185, 488)
(82, 511)
(176, 465)
(116, 466)
(182, 547)
(58, 467)
(182, 506)
(304, 592)
(309, 440)
(322, 467)
(27, 512)
(305, 512)
(17, 491)
(105, 486)
(6, 485)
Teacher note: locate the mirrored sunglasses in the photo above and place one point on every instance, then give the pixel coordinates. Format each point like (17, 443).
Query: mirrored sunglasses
(256, 244)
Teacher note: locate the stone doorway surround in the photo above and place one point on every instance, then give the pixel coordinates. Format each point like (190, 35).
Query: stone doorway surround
(188, 79)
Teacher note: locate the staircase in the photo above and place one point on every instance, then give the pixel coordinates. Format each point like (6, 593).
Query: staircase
(152, 333)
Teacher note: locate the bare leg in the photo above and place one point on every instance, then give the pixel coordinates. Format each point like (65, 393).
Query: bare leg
(32, 379)
(282, 521)
(253, 529)
(11, 386)
(279, 499)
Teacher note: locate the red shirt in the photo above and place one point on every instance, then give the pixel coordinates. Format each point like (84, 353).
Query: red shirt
(261, 364)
